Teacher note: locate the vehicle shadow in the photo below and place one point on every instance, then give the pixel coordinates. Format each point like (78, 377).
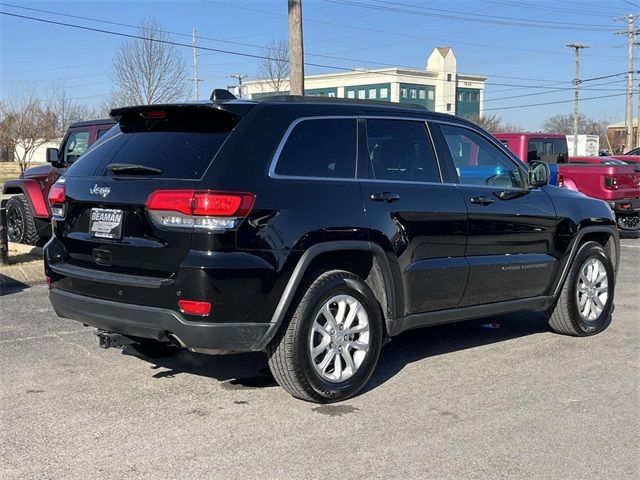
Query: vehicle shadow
(10, 285)
(250, 370)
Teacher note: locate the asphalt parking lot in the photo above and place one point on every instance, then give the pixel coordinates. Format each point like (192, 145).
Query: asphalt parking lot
(457, 401)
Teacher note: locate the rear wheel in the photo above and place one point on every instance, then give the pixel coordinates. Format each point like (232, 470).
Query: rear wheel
(328, 347)
(585, 304)
(20, 222)
(629, 222)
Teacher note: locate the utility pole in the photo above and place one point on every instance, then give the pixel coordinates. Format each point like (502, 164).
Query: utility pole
(296, 50)
(630, 33)
(240, 77)
(196, 80)
(576, 95)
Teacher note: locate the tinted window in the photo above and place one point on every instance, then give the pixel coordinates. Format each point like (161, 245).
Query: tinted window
(77, 143)
(401, 150)
(550, 150)
(102, 131)
(320, 148)
(478, 161)
(178, 149)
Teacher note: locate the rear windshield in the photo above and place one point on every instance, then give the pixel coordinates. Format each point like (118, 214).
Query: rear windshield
(549, 150)
(180, 148)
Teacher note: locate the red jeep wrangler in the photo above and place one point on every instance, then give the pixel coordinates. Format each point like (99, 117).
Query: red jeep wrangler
(28, 212)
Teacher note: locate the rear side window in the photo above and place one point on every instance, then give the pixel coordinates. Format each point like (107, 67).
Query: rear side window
(180, 147)
(401, 150)
(324, 147)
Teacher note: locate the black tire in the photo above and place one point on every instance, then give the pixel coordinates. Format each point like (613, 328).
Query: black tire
(289, 355)
(20, 222)
(565, 318)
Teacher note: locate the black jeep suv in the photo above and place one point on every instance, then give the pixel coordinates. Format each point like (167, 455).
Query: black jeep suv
(313, 230)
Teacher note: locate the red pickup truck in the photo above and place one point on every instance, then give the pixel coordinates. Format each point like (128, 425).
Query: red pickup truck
(28, 214)
(605, 178)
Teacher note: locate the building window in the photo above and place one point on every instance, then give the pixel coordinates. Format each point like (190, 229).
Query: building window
(430, 95)
(460, 97)
(422, 94)
(403, 93)
(373, 93)
(331, 94)
(448, 77)
(448, 107)
(384, 93)
(351, 94)
(362, 94)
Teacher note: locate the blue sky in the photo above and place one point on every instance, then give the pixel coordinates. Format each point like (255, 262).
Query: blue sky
(523, 63)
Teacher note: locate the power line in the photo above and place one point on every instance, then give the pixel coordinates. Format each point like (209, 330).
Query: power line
(242, 54)
(494, 20)
(553, 103)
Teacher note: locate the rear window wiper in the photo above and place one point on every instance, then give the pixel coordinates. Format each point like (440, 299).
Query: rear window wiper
(132, 168)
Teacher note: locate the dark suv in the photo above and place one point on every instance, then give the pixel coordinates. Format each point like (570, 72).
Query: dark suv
(313, 230)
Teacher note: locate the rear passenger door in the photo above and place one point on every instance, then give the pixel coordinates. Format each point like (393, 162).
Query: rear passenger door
(419, 219)
(511, 227)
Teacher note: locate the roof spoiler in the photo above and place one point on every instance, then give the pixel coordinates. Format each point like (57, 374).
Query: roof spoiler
(221, 95)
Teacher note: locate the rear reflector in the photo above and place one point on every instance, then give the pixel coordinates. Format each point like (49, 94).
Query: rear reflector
(204, 209)
(192, 307)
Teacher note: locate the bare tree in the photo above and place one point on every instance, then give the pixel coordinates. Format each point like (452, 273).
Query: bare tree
(493, 123)
(27, 123)
(67, 111)
(148, 70)
(586, 125)
(273, 70)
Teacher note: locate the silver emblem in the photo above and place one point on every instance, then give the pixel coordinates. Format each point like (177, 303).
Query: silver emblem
(102, 191)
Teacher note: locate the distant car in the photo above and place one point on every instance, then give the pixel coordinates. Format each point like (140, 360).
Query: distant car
(28, 214)
(312, 229)
(612, 179)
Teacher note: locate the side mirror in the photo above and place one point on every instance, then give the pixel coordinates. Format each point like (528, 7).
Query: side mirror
(539, 174)
(52, 155)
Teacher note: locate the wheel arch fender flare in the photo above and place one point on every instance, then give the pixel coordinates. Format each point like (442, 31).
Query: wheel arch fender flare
(576, 241)
(301, 269)
(31, 189)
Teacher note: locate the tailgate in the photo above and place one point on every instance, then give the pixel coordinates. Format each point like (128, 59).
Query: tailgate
(106, 225)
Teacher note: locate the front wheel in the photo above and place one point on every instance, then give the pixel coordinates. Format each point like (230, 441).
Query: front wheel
(585, 304)
(329, 345)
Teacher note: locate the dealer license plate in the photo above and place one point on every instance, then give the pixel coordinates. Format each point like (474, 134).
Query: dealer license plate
(105, 223)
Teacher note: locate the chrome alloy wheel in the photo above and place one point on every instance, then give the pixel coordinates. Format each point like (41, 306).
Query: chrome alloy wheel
(592, 289)
(340, 338)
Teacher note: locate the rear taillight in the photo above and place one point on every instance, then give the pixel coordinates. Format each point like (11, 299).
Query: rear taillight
(209, 210)
(611, 183)
(560, 181)
(57, 198)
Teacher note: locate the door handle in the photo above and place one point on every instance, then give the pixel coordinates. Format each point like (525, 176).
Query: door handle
(385, 197)
(481, 200)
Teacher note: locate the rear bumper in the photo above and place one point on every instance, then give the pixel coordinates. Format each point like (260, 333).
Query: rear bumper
(627, 206)
(159, 324)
